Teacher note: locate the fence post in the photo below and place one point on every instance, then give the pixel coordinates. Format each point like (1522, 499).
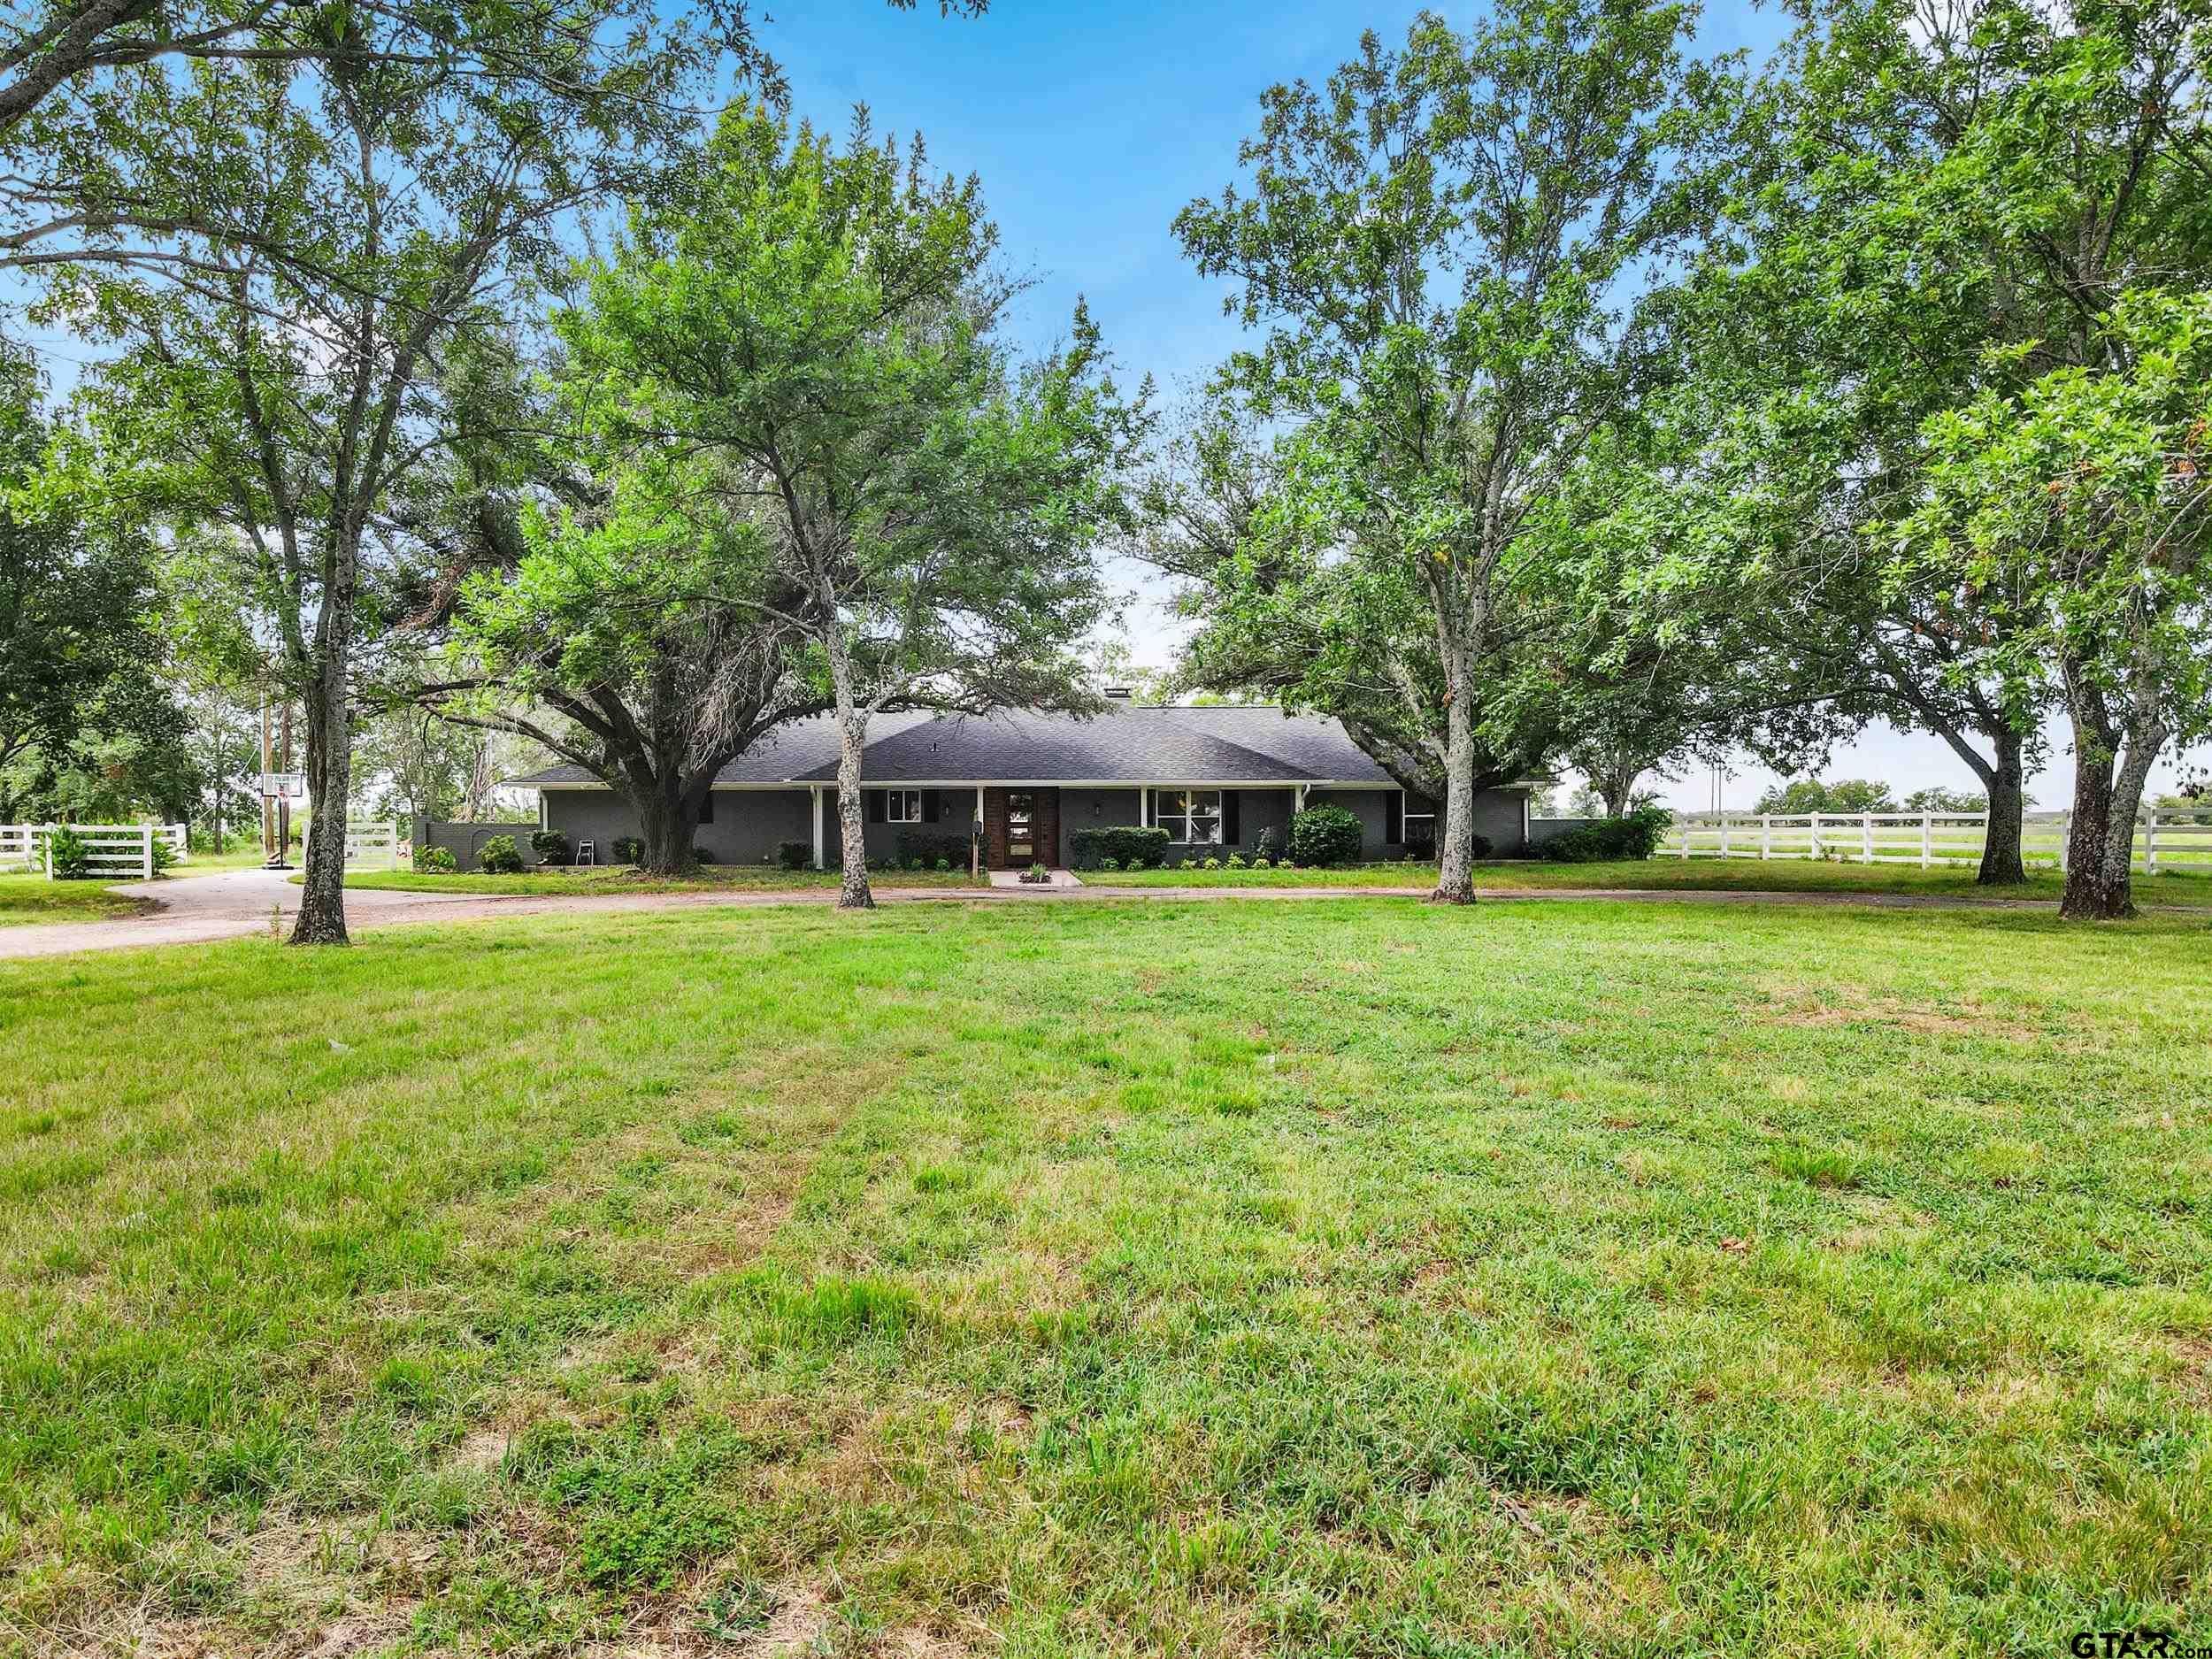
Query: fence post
(146, 852)
(46, 845)
(1723, 834)
(1927, 841)
(2150, 844)
(1766, 837)
(1813, 820)
(1866, 838)
(2065, 834)
(1686, 841)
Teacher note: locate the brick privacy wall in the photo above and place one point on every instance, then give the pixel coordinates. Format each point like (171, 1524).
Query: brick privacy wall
(1045, 824)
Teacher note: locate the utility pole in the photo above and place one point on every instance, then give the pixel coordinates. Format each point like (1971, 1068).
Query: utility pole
(284, 801)
(269, 855)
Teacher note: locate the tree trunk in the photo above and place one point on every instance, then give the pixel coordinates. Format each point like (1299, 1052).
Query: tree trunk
(2094, 890)
(1456, 852)
(1617, 791)
(2006, 783)
(668, 824)
(853, 892)
(2108, 794)
(322, 914)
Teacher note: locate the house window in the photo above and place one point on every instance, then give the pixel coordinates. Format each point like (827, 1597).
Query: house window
(1189, 815)
(1418, 830)
(902, 806)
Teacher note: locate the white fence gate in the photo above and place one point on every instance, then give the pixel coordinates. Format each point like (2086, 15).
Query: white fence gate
(370, 844)
(2169, 840)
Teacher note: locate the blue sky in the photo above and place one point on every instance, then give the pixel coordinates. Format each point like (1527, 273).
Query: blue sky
(1092, 124)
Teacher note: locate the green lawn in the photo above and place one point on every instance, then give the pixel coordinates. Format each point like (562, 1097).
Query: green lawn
(1334, 1279)
(628, 879)
(1662, 874)
(33, 898)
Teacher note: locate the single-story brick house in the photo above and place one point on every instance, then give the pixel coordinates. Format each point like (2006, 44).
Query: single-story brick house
(1215, 777)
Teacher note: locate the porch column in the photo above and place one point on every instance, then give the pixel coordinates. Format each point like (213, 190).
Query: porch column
(1144, 804)
(1298, 801)
(814, 797)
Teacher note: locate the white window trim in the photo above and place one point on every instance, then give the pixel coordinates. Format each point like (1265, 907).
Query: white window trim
(893, 799)
(1171, 821)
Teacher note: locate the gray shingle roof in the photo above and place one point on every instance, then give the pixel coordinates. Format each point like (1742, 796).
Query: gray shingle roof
(1126, 744)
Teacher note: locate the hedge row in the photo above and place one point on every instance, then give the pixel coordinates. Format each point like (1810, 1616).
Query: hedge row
(1130, 848)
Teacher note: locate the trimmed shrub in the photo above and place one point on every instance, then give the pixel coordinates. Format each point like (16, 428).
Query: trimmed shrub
(500, 856)
(703, 856)
(628, 849)
(1325, 835)
(67, 855)
(434, 861)
(795, 854)
(1129, 846)
(1635, 837)
(165, 854)
(1268, 845)
(929, 846)
(552, 847)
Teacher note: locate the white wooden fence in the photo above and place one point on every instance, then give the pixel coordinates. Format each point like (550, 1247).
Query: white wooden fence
(371, 844)
(2176, 842)
(121, 851)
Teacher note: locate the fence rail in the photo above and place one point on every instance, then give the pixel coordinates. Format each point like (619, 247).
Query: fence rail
(371, 844)
(116, 849)
(2164, 839)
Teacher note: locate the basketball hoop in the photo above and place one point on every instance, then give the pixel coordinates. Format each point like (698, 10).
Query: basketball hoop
(284, 786)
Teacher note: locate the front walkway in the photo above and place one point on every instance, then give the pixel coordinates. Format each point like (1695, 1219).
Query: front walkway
(1011, 880)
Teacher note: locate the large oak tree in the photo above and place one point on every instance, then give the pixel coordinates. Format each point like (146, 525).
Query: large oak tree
(1438, 244)
(821, 325)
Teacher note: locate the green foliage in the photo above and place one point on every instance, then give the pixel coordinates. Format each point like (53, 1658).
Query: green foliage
(795, 854)
(628, 849)
(88, 729)
(499, 856)
(932, 845)
(1939, 800)
(645, 1513)
(1804, 795)
(68, 857)
(434, 861)
(1326, 835)
(829, 316)
(1637, 835)
(552, 847)
(2079, 505)
(165, 855)
(1128, 846)
(1436, 242)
